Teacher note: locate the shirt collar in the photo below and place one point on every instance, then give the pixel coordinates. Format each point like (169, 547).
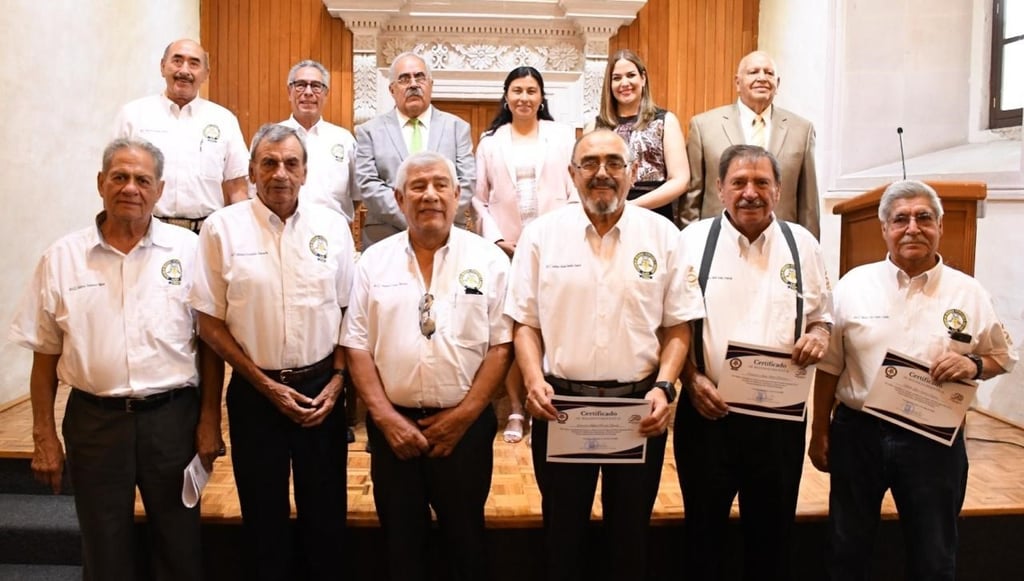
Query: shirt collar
(929, 278)
(294, 124)
(759, 243)
(747, 114)
(584, 224)
(189, 108)
(265, 215)
(424, 117)
(157, 234)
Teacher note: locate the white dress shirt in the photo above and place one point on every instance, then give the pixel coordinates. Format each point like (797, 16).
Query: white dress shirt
(120, 322)
(331, 169)
(424, 120)
(747, 117)
(279, 286)
(202, 145)
(879, 307)
(384, 316)
(599, 301)
(747, 297)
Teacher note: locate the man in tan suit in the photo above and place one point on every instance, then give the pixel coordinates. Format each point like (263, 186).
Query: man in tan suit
(753, 120)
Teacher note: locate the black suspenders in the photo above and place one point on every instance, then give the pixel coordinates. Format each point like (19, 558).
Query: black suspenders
(705, 270)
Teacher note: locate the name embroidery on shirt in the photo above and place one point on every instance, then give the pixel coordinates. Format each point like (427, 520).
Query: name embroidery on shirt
(318, 246)
(211, 133)
(171, 271)
(645, 264)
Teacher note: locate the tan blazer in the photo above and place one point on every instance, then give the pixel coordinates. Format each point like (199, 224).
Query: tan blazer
(792, 143)
(495, 200)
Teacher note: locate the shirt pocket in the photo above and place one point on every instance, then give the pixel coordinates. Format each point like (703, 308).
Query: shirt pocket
(211, 159)
(471, 326)
(645, 304)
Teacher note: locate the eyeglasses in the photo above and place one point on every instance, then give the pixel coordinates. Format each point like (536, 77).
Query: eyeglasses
(427, 324)
(612, 165)
(300, 86)
(923, 219)
(405, 79)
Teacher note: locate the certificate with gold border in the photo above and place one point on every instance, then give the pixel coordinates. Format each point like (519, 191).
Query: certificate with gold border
(904, 394)
(597, 430)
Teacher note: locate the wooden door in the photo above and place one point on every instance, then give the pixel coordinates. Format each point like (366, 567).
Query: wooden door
(478, 114)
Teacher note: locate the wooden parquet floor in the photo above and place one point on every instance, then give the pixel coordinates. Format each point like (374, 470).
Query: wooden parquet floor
(995, 485)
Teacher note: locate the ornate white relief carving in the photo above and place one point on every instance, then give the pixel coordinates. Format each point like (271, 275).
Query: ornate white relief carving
(364, 42)
(364, 85)
(596, 47)
(593, 84)
(478, 55)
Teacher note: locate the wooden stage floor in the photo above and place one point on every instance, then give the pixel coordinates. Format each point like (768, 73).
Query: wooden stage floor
(995, 486)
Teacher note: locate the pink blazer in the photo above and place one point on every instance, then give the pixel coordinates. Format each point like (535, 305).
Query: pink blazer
(495, 201)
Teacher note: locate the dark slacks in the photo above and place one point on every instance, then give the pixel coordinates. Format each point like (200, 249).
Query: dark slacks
(628, 492)
(928, 482)
(265, 447)
(758, 458)
(456, 487)
(109, 452)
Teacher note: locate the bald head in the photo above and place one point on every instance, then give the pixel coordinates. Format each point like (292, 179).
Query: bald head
(757, 81)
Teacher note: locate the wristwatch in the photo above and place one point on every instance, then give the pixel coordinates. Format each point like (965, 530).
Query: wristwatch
(978, 362)
(669, 388)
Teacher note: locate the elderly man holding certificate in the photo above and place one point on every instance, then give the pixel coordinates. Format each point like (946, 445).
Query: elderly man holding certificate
(740, 427)
(601, 306)
(891, 393)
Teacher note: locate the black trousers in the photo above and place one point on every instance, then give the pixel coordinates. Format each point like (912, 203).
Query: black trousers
(456, 487)
(628, 492)
(265, 447)
(760, 459)
(109, 452)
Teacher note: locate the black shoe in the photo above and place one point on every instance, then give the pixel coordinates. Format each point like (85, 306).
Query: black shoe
(350, 436)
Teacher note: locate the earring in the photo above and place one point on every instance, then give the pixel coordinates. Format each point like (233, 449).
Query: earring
(541, 108)
(504, 105)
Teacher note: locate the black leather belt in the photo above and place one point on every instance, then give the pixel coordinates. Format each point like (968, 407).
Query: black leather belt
(193, 224)
(135, 404)
(417, 413)
(601, 388)
(300, 374)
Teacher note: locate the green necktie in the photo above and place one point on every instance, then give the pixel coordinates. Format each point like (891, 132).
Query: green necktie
(416, 144)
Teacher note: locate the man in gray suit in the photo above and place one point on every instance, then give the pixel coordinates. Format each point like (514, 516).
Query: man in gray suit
(382, 143)
(753, 120)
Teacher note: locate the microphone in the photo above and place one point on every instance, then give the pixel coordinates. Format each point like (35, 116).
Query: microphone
(903, 160)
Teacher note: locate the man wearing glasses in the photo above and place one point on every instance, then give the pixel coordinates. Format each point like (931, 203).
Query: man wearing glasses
(389, 138)
(201, 141)
(602, 306)
(331, 176)
(428, 346)
(273, 280)
(914, 304)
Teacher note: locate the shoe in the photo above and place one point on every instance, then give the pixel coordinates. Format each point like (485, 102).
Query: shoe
(512, 433)
(350, 435)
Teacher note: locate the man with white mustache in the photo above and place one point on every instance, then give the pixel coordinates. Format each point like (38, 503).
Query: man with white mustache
(754, 120)
(601, 304)
(414, 125)
(206, 156)
(764, 284)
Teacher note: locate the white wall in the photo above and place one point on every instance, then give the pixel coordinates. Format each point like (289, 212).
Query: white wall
(67, 66)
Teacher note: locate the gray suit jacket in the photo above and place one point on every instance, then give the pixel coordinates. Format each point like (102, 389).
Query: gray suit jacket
(792, 143)
(380, 149)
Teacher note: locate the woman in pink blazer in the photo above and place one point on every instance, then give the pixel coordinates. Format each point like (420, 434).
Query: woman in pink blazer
(522, 172)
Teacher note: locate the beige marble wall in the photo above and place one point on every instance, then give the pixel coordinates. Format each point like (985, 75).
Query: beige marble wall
(67, 65)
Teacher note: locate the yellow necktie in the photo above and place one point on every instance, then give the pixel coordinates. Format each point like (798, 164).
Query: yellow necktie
(757, 135)
(416, 143)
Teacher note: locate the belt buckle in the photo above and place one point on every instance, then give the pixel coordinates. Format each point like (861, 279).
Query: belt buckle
(285, 375)
(128, 407)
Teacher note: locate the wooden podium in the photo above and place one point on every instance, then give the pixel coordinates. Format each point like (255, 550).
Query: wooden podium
(860, 237)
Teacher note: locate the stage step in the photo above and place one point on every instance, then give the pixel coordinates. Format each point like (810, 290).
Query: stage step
(40, 573)
(39, 529)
